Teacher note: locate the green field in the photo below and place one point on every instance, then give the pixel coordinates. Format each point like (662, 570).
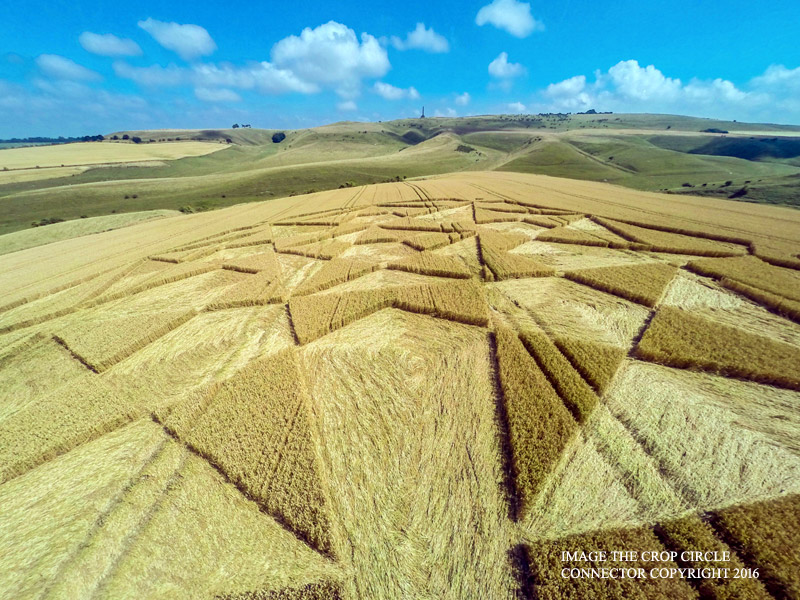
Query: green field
(754, 162)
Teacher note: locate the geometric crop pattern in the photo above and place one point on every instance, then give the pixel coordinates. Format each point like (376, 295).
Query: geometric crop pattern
(630, 366)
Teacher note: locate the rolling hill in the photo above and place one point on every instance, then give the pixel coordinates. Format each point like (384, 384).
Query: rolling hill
(751, 162)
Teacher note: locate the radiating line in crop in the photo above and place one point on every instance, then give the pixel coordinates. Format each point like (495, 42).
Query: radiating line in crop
(565, 235)
(768, 536)
(316, 315)
(642, 283)
(546, 564)
(539, 424)
(335, 272)
(679, 338)
(256, 428)
(597, 362)
(579, 398)
(427, 263)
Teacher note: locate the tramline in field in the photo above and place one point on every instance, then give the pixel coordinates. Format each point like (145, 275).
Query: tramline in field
(405, 391)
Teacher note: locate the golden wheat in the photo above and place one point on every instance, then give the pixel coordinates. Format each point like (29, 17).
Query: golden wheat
(170, 275)
(483, 216)
(681, 339)
(411, 224)
(427, 241)
(376, 235)
(597, 362)
(316, 315)
(105, 343)
(751, 272)
(255, 427)
(541, 221)
(546, 564)
(565, 235)
(323, 590)
(255, 290)
(504, 265)
(62, 303)
(662, 241)
(413, 212)
(254, 239)
(689, 535)
(539, 425)
(779, 304)
(321, 250)
(576, 393)
(291, 241)
(427, 263)
(254, 263)
(80, 411)
(768, 536)
(504, 207)
(644, 283)
(335, 272)
(502, 241)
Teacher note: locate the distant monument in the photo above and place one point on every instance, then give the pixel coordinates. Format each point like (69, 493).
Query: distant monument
(423, 113)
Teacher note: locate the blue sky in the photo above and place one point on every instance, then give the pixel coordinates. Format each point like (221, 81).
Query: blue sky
(80, 67)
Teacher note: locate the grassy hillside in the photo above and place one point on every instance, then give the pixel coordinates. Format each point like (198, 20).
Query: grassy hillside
(648, 152)
(667, 163)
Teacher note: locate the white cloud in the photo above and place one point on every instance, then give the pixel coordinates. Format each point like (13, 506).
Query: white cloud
(216, 95)
(778, 76)
(511, 16)
(329, 56)
(347, 106)
(188, 41)
(422, 39)
(332, 55)
(569, 95)
(516, 107)
(630, 87)
(108, 44)
(263, 77)
(62, 107)
(445, 112)
(643, 83)
(713, 91)
(568, 87)
(152, 76)
(63, 88)
(60, 67)
(502, 69)
(463, 99)
(390, 92)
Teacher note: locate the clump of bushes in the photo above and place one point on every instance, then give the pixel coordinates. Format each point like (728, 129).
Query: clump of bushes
(47, 221)
(739, 193)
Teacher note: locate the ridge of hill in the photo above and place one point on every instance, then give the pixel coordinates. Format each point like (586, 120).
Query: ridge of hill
(674, 154)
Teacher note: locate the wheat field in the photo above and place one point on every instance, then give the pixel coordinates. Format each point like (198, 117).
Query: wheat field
(44, 162)
(425, 389)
